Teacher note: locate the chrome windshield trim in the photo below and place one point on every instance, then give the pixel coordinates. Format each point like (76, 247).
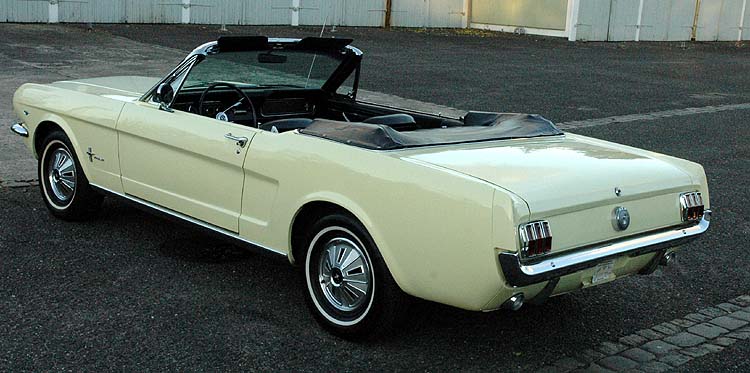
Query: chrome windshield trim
(19, 130)
(518, 274)
(174, 214)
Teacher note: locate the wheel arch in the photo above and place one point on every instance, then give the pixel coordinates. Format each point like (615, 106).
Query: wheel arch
(305, 217)
(43, 129)
(315, 208)
(49, 124)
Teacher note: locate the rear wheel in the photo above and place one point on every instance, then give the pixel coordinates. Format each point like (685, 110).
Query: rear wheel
(64, 187)
(350, 290)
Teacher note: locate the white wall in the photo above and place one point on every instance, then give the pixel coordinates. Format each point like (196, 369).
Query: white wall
(661, 20)
(616, 20)
(427, 13)
(593, 20)
(406, 13)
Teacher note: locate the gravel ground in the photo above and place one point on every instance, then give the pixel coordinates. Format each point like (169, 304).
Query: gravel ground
(132, 292)
(493, 71)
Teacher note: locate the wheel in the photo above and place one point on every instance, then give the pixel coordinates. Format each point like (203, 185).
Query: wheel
(64, 187)
(350, 291)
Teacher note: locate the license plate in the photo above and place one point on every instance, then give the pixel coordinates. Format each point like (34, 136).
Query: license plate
(603, 272)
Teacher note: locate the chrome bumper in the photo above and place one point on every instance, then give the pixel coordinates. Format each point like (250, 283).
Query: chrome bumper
(519, 274)
(19, 130)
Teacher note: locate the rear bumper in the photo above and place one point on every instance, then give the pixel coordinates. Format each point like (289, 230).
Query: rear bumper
(19, 130)
(519, 274)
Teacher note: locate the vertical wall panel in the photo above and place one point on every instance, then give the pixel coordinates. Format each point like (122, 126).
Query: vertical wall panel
(426, 13)
(681, 20)
(266, 12)
(729, 20)
(409, 13)
(444, 13)
(667, 20)
(593, 20)
(708, 20)
(622, 20)
(342, 12)
(317, 12)
(216, 12)
(544, 14)
(362, 13)
(746, 23)
(4, 10)
(150, 11)
(657, 16)
(101, 11)
(24, 11)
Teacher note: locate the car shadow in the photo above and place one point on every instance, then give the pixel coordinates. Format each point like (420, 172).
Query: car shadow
(272, 291)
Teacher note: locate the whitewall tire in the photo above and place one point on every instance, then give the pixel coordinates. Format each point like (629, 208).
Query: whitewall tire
(349, 289)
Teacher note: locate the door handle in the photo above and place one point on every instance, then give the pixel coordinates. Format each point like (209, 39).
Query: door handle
(239, 140)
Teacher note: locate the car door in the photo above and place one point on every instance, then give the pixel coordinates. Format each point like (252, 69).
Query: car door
(184, 162)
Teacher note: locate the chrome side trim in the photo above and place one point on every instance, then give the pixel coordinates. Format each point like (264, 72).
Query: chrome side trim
(19, 130)
(519, 274)
(185, 218)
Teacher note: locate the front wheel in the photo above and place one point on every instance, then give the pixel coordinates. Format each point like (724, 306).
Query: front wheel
(64, 187)
(350, 290)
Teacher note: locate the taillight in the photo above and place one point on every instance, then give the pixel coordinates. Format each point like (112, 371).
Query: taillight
(536, 238)
(691, 206)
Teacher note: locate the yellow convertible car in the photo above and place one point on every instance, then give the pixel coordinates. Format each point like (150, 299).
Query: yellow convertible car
(262, 141)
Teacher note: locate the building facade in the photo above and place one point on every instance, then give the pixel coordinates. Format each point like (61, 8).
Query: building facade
(594, 20)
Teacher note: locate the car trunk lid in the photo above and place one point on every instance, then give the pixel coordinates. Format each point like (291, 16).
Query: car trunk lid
(575, 183)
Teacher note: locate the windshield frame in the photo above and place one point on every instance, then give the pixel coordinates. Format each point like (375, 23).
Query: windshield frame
(349, 56)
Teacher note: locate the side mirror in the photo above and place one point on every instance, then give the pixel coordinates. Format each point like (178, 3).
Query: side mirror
(164, 95)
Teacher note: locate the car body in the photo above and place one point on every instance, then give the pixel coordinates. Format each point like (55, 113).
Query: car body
(480, 212)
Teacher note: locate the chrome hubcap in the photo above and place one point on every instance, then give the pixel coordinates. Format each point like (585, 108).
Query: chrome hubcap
(61, 172)
(344, 274)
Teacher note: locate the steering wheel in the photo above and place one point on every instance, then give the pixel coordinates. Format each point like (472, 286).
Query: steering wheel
(224, 115)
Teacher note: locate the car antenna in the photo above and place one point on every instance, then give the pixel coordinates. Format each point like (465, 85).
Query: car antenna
(315, 55)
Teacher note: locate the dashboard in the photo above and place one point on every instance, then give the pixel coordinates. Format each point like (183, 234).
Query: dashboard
(268, 104)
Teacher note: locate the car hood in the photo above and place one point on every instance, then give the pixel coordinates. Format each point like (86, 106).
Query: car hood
(567, 172)
(122, 87)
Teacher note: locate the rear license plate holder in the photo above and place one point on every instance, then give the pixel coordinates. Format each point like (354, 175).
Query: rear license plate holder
(603, 272)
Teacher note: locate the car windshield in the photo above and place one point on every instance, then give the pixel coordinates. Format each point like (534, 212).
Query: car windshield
(261, 69)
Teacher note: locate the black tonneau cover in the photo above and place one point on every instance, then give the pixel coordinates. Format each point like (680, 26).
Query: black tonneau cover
(477, 127)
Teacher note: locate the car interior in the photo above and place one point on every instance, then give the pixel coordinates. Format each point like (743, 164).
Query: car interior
(295, 90)
(340, 118)
(296, 108)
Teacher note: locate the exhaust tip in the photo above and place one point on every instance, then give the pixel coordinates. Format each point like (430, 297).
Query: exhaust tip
(667, 259)
(514, 303)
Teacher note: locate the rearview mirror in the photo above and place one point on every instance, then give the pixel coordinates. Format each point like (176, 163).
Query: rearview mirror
(271, 58)
(164, 95)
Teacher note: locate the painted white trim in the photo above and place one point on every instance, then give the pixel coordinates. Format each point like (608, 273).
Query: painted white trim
(571, 25)
(295, 12)
(529, 30)
(186, 11)
(54, 12)
(638, 23)
(465, 15)
(742, 20)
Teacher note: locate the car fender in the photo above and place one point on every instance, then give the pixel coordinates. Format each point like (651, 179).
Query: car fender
(363, 217)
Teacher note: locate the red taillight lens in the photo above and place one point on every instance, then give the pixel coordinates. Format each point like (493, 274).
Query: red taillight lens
(691, 206)
(536, 238)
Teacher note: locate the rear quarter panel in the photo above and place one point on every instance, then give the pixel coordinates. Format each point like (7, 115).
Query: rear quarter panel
(434, 229)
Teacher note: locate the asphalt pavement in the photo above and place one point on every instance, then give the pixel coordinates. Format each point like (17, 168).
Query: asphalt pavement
(128, 291)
